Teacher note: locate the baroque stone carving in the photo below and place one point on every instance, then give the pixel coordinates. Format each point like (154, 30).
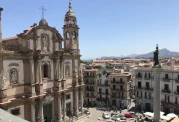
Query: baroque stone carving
(45, 42)
(13, 76)
(13, 64)
(75, 72)
(2, 80)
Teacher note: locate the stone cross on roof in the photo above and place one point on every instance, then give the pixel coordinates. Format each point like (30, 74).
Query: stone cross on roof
(43, 9)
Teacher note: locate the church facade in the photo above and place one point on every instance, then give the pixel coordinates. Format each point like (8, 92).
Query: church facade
(40, 79)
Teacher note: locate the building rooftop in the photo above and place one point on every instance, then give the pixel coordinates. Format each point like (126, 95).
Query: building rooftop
(164, 68)
(90, 70)
(120, 74)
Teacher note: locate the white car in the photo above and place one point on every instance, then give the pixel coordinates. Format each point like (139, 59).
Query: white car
(105, 115)
(115, 118)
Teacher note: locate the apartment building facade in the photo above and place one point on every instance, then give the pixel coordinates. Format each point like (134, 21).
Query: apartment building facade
(90, 80)
(144, 84)
(103, 90)
(120, 89)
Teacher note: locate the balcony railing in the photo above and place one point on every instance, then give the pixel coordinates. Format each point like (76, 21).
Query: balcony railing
(176, 80)
(166, 91)
(147, 78)
(177, 92)
(113, 96)
(89, 83)
(102, 99)
(139, 87)
(105, 84)
(138, 77)
(103, 93)
(89, 89)
(148, 97)
(148, 88)
(166, 79)
(165, 101)
(120, 82)
(117, 89)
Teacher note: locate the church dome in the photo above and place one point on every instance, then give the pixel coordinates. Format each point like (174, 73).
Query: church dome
(43, 22)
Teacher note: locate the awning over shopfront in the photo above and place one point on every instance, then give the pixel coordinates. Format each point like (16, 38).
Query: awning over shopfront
(7, 117)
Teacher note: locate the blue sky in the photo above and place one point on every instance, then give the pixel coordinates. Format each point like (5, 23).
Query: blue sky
(107, 27)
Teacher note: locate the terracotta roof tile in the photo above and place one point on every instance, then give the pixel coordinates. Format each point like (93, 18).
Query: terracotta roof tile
(10, 38)
(16, 37)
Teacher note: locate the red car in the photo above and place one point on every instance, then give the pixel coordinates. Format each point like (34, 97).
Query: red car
(129, 115)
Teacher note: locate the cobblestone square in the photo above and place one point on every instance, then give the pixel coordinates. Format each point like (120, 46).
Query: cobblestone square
(96, 115)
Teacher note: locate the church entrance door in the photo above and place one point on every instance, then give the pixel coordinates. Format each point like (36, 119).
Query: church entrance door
(47, 111)
(68, 109)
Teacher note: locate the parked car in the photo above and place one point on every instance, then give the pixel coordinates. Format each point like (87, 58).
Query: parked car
(115, 118)
(122, 117)
(129, 115)
(113, 114)
(87, 112)
(105, 115)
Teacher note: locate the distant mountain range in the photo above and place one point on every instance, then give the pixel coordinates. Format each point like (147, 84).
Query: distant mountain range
(163, 53)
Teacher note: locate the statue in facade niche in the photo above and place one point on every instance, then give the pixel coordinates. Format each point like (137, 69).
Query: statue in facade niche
(67, 70)
(75, 74)
(13, 75)
(156, 53)
(44, 42)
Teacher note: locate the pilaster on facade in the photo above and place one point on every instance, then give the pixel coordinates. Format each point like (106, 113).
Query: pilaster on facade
(39, 108)
(81, 98)
(76, 102)
(32, 109)
(32, 78)
(64, 105)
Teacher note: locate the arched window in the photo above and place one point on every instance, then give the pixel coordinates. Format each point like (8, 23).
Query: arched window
(67, 35)
(74, 35)
(13, 76)
(45, 71)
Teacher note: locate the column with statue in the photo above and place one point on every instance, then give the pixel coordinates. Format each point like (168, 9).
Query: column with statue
(156, 71)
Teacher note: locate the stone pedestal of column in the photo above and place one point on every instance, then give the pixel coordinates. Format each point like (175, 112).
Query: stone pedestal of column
(157, 102)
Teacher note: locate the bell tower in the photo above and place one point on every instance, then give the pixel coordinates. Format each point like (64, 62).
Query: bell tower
(70, 32)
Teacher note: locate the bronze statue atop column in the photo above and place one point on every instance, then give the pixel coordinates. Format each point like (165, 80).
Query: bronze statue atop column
(155, 59)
